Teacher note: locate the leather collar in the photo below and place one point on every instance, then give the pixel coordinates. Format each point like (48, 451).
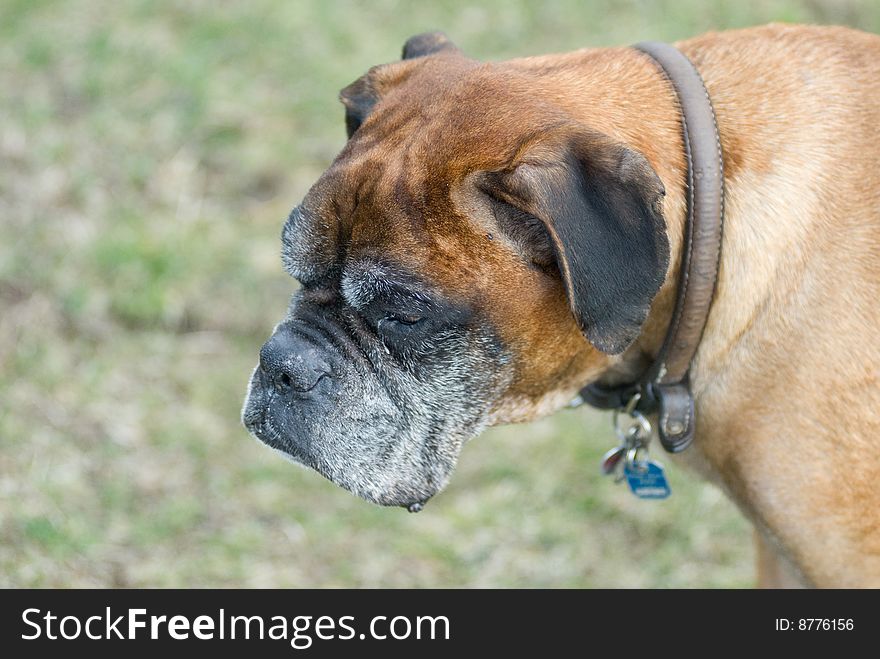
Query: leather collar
(665, 386)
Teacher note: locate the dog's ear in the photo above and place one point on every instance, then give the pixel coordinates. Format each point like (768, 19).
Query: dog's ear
(427, 43)
(358, 98)
(600, 203)
(361, 95)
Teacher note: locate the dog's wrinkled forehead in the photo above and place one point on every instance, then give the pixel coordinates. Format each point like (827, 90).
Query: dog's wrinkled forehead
(317, 248)
(342, 231)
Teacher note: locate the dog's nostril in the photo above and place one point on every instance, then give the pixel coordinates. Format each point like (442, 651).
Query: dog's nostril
(289, 363)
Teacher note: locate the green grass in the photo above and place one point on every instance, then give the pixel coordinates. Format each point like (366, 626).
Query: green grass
(149, 152)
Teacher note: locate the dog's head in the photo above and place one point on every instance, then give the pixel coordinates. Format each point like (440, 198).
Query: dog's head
(473, 256)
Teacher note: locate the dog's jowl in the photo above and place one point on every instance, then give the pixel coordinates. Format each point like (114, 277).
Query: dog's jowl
(495, 236)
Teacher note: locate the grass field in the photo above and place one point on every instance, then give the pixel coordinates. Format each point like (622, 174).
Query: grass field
(149, 152)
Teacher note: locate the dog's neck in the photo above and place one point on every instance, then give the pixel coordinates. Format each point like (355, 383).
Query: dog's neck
(655, 130)
(638, 106)
(744, 292)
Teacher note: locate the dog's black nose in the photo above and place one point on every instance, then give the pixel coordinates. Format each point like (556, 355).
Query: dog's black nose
(292, 363)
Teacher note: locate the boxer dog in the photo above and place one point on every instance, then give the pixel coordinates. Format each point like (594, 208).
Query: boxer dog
(494, 236)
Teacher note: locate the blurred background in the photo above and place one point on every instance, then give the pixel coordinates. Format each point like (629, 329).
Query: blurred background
(149, 154)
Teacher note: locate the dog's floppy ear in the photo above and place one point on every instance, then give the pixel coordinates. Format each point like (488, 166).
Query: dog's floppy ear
(358, 98)
(361, 95)
(600, 202)
(427, 43)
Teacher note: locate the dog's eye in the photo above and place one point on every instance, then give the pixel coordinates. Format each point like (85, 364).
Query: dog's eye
(398, 323)
(402, 319)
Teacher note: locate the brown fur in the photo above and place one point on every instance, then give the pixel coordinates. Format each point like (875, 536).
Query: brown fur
(786, 378)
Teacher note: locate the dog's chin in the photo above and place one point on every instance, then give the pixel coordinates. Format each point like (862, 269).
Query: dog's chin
(410, 496)
(374, 486)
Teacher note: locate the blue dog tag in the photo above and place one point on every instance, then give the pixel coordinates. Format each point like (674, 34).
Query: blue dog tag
(647, 480)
